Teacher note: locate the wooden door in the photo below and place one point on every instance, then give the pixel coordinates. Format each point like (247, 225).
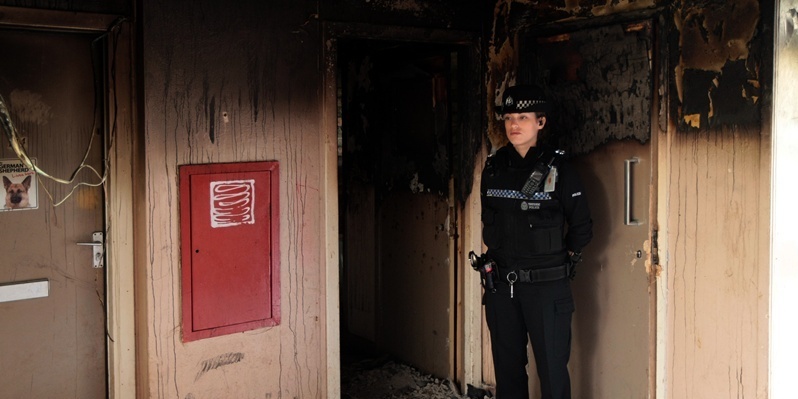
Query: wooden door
(601, 82)
(611, 340)
(53, 346)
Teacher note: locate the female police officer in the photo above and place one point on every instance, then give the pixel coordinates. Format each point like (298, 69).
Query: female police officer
(529, 195)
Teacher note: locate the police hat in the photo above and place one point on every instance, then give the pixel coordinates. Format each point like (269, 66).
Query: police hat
(524, 98)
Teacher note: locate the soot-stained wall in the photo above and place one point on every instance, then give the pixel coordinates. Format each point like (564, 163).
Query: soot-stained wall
(717, 51)
(233, 83)
(599, 81)
(721, 66)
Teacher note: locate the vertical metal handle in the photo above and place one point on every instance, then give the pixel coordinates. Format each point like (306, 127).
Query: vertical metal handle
(627, 200)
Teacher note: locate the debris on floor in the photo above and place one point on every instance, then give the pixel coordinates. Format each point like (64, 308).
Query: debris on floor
(387, 379)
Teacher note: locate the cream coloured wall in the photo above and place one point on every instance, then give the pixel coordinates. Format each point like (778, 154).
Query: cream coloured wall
(714, 204)
(228, 85)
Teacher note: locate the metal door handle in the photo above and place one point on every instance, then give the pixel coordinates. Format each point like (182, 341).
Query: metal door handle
(628, 193)
(98, 249)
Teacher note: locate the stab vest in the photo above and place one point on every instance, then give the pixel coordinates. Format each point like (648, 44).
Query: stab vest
(516, 225)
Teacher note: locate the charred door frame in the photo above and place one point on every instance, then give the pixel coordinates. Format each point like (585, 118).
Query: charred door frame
(465, 333)
(119, 156)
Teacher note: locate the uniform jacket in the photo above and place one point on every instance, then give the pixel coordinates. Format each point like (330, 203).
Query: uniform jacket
(537, 232)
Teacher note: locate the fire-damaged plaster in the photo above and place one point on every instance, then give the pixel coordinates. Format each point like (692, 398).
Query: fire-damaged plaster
(718, 76)
(599, 81)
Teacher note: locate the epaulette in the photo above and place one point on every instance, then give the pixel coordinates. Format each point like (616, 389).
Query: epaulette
(556, 156)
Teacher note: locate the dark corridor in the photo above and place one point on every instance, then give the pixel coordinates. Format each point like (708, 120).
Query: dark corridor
(397, 218)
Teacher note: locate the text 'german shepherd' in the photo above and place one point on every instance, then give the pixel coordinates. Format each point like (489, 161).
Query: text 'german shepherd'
(16, 193)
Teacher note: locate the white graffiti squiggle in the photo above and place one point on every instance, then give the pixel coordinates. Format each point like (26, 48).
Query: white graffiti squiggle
(232, 203)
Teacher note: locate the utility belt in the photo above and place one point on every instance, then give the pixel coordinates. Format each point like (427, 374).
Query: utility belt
(490, 272)
(537, 275)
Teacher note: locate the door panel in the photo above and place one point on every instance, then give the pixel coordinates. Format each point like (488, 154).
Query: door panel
(53, 346)
(611, 324)
(600, 80)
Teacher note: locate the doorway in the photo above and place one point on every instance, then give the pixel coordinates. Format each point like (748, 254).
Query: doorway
(397, 209)
(601, 79)
(55, 342)
(64, 84)
(410, 125)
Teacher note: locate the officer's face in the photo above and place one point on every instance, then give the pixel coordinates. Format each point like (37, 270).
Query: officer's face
(522, 130)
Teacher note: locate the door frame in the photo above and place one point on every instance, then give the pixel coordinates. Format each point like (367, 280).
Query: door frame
(467, 324)
(659, 57)
(783, 215)
(121, 161)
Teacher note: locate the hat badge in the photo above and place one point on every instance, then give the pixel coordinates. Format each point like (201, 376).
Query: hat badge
(509, 101)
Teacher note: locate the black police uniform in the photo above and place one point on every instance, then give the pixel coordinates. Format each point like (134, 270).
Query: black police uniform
(527, 236)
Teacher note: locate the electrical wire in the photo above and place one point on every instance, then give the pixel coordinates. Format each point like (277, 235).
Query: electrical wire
(19, 149)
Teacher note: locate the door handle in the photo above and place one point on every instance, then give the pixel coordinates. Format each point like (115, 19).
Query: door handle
(98, 249)
(627, 200)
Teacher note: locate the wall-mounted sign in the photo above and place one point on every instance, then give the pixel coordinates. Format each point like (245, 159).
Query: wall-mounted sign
(20, 190)
(232, 202)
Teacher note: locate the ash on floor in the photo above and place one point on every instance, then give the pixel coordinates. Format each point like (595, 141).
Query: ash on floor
(387, 379)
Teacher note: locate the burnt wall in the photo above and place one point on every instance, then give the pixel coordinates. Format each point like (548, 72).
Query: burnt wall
(515, 53)
(721, 57)
(717, 51)
(220, 83)
(600, 81)
(416, 26)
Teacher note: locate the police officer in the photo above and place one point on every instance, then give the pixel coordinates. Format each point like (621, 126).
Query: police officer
(529, 194)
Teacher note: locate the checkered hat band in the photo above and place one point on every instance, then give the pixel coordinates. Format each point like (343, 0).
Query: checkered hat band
(513, 194)
(528, 103)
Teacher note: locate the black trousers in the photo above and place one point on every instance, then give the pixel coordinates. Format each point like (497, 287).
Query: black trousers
(542, 312)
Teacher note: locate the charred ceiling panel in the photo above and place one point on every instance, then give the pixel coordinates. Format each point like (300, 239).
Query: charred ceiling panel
(600, 81)
(719, 73)
(451, 14)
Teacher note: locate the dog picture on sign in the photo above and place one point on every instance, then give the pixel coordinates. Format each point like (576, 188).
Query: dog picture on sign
(19, 186)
